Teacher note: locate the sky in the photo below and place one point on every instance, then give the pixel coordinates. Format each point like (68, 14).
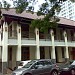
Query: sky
(9, 1)
(36, 7)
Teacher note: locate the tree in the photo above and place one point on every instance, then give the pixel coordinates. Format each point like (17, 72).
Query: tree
(47, 9)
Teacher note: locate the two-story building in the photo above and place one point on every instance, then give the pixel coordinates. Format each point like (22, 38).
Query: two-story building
(19, 41)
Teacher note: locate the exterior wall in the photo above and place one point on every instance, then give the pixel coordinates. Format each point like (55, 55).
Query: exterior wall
(59, 56)
(47, 52)
(14, 57)
(68, 35)
(32, 52)
(70, 53)
(34, 48)
(12, 60)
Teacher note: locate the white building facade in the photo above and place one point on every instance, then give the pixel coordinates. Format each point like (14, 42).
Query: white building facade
(68, 10)
(19, 42)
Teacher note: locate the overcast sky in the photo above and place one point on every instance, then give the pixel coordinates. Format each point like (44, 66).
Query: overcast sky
(36, 7)
(10, 1)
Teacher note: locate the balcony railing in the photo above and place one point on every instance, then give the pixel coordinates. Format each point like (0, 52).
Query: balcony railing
(27, 35)
(12, 34)
(44, 36)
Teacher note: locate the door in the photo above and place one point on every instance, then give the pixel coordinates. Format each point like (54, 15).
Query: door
(37, 68)
(25, 53)
(42, 53)
(10, 57)
(47, 67)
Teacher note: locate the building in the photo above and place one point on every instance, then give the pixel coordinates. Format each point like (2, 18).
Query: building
(68, 10)
(18, 41)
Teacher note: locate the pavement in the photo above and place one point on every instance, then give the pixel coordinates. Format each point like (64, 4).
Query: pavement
(9, 71)
(4, 74)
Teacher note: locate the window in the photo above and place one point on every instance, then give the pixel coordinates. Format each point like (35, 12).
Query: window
(47, 63)
(39, 64)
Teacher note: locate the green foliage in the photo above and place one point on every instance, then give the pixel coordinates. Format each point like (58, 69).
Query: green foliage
(6, 5)
(47, 9)
(44, 24)
(20, 5)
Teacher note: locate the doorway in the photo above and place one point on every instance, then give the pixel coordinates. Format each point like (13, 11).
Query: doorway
(25, 53)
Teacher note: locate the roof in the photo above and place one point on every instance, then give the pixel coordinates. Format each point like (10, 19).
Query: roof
(65, 21)
(25, 14)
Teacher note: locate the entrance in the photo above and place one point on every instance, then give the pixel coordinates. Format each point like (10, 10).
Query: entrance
(42, 53)
(73, 53)
(25, 53)
(10, 57)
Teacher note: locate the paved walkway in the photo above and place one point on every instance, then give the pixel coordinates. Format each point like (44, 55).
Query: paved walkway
(4, 74)
(8, 72)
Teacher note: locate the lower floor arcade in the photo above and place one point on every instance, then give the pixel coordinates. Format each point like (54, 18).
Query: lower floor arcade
(29, 53)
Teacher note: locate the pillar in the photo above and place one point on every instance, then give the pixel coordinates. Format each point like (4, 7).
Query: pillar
(5, 48)
(18, 56)
(37, 54)
(53, 47)
(66, 46)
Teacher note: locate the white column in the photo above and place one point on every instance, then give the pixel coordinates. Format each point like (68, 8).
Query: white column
(53, 47)
(37, 54)
(66, 48)
(5, 47)
(18, 58)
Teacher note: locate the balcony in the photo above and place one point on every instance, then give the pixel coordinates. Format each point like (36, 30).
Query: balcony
(71, 43)
(59, 43)
(45, 39)
(12, 37)
(27, 35)
(12, 34)
(28, 38)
